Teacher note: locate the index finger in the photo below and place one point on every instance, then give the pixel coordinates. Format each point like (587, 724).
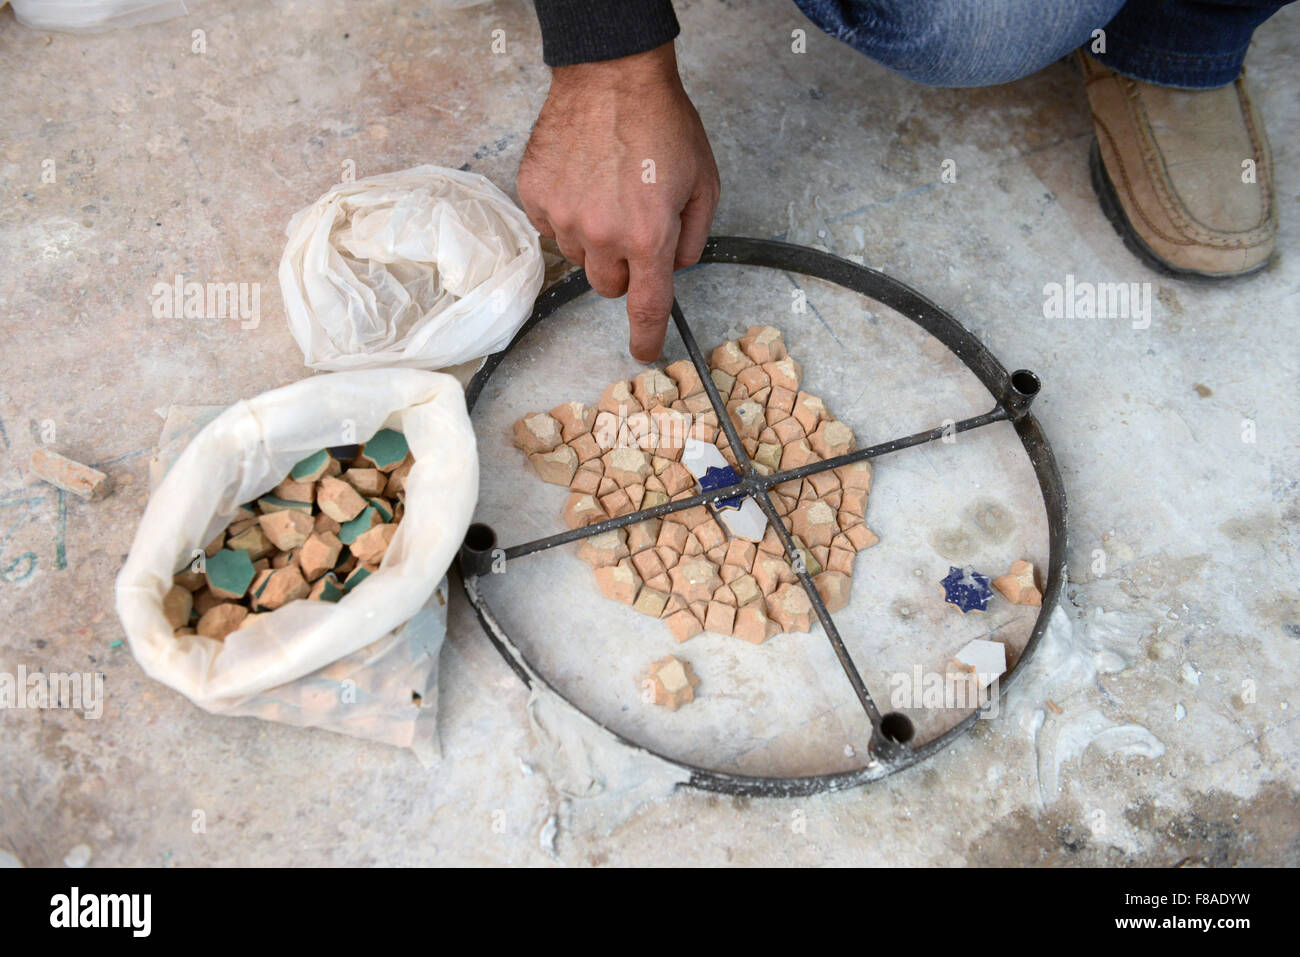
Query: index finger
(649, 301)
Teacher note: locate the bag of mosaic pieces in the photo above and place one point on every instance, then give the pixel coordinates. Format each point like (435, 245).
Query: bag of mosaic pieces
(364, 662)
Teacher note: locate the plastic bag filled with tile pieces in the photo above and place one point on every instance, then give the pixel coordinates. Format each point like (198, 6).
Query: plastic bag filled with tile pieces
(94, 16)
(367, 665)
(425, 268)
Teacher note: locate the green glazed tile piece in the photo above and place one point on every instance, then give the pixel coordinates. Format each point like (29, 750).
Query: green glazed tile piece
(386, 448)
(311, 468)
(230, 573)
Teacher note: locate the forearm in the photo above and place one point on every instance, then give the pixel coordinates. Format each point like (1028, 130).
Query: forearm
(586, 31)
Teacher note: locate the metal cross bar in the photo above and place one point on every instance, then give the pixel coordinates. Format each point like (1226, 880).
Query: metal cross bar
(621, 521)
(751, 482)
(765, 503)
(997, 414)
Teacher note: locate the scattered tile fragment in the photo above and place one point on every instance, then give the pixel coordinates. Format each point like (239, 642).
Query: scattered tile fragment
(618, 399)
(72, 477)
(831, 439)
(672, 682)
(355, 577)
(581, 510)
(654, 388)
(730, 359)
(695, 579)
(861, 536)
(687, 379)
(987, 660)
(1019, 586)
(966, 589)
(650, 601)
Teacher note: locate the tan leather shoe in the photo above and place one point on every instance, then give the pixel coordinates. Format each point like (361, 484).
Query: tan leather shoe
(1168, 168)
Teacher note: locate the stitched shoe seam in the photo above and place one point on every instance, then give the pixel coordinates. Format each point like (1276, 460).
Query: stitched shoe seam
(1263, 153)
(1167, 195)
(1171, 200)
(1128, 191)
(1125, 187)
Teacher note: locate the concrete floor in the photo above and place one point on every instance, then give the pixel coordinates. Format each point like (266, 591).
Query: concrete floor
(1176, 740)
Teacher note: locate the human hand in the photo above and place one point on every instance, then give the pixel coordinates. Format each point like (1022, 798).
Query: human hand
(618, 171)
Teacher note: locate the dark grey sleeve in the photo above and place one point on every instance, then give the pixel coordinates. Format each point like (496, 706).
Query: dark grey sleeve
(583, 31)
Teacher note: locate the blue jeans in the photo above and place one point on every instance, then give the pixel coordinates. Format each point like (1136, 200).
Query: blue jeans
(1192, 44)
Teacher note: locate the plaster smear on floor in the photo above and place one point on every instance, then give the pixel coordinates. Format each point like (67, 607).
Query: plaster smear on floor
(1069, 659)
(602, 781)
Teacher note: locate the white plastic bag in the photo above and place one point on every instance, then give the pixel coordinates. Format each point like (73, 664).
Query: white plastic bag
(424, 268)
(312, 663)
(93, 16)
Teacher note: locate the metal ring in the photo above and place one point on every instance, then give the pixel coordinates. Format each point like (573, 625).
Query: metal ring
(1012, 393)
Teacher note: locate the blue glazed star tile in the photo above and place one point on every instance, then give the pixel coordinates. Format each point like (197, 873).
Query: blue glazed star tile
(716, 478)
(967, 589)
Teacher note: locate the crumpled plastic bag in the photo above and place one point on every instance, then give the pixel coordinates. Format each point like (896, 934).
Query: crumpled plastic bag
(424, 268)
(361, 666)
(93, 16)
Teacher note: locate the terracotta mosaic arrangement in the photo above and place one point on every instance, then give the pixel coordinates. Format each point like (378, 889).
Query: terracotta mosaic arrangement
(624, 454)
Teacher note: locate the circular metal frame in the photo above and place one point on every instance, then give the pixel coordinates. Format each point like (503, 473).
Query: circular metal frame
(1012, 392)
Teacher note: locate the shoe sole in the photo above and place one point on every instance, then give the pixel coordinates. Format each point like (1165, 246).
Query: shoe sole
(1114, 210)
